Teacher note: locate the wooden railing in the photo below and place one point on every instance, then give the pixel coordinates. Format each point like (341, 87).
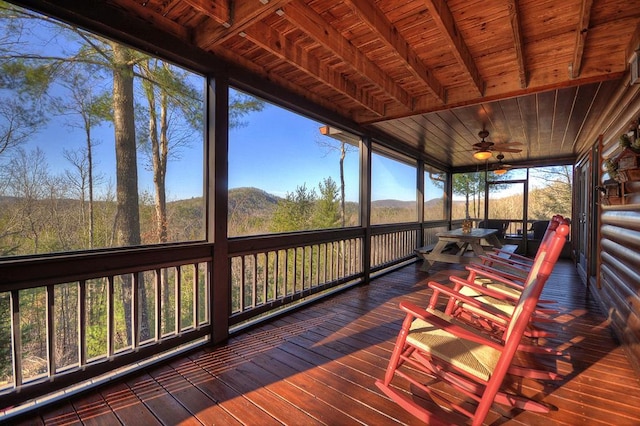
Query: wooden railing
(391, 244)
(430, 231)
(270, 272)
(77, 317)
(109, 311)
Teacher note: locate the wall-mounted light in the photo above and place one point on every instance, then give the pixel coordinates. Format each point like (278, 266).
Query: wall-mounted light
(482, 155)
(634, 67)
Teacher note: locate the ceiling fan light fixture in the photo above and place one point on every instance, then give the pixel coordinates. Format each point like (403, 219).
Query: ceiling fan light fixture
(482, 155)
(500, 171)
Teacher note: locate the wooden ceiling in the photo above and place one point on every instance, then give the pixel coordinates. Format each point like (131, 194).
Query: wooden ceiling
(429, 72)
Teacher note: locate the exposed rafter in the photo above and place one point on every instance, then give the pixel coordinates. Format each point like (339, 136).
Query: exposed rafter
(514, 18)
(634, 43)
(581, 37)
(279, 45)
(383, 29)
(218, 10)
(443, 18)
(244, 13)
(302, 16)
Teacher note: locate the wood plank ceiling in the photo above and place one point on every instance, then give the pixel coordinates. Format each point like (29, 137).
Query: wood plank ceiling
(429, 72)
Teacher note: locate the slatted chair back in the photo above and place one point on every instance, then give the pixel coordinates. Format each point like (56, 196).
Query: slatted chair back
(540, 272)
(516, 267)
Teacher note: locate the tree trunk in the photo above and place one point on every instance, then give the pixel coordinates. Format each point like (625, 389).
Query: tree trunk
(160, 171)
(127, 209)
(128, 216)
(90, 183)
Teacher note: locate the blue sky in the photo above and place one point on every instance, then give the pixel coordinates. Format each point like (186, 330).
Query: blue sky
(277, 151)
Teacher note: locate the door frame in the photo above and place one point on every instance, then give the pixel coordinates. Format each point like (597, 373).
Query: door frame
(585, 216)
(525, 201)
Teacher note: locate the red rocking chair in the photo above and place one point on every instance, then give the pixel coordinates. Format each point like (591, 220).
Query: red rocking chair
(471, 362)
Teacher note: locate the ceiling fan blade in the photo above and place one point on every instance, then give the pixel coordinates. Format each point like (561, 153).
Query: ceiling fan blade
(498, 146)
(507, 150)
(482, 145)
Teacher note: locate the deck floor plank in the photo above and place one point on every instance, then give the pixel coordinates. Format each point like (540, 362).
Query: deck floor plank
(318, 365)
(127, 406)
(160, 402)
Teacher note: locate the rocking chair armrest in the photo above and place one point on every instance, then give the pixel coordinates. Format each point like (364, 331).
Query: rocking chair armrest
(493, 275)
(491, 260)
(454, 293)
(485, 291)
(456, 296)
(513, 256)
(415, 311)
(481, 269)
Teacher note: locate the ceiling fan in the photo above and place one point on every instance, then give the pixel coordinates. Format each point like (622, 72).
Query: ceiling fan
(483, 149)
(500, 168)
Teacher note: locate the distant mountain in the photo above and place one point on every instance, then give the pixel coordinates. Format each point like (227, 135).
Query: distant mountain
(394, 204)
(251, 201)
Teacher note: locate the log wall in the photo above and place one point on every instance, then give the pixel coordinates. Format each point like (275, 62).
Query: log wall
(618, 279)
(619, 290)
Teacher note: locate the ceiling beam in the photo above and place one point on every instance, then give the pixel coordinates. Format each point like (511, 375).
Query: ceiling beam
(634, 43)
(514, 19)
(316, 27)
(277, 44)
(443, 19)
(371, 15)
(218, 10)
(242, 14)
(581, 37)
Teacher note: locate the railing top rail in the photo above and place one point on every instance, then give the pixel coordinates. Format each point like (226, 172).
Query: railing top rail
(262, 243)
(56, 269)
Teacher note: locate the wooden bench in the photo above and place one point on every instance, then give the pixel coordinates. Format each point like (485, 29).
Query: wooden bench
(507, 250)
(429, 248)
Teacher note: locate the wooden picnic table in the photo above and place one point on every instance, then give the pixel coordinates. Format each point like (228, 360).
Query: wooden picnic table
(462, 241)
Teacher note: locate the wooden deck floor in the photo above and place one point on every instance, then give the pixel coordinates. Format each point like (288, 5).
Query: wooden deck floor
(318, 365)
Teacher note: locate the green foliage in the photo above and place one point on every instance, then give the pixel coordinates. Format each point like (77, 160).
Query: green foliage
(327, 209)
(25, 78)
(241, 105)
(294, 212)
(304, 210)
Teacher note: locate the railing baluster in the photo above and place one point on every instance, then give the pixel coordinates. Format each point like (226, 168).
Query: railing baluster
(157, 284)
(207, 291)
(276, 276)
(243, 279)
(111, 326)
(135, 310)
(265, 286)
(325, 268)
(178, 297)
(294, 269)
(17, 338)
(311, 264)
(254, 287)
(82, 323)
(196, 297)
(300, 270)
(51, 334)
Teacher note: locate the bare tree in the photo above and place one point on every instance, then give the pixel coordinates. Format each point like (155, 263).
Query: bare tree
(27, 174)
(92, 109)
(343, 148)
